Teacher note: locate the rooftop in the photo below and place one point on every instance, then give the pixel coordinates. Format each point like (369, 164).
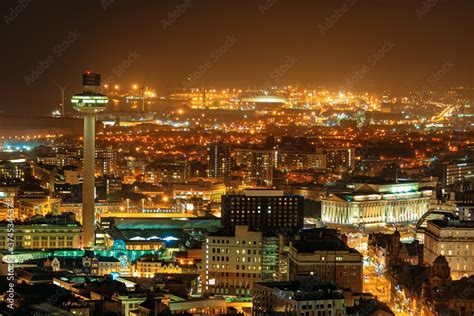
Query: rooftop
(445, 223)
(310, 289)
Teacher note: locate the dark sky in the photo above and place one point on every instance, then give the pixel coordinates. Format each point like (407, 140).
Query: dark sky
(425, 35)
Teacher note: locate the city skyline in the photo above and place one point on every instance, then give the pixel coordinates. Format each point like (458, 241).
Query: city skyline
(383, 45)
(248, 158)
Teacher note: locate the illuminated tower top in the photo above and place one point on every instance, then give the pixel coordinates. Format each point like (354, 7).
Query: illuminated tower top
(91, 100)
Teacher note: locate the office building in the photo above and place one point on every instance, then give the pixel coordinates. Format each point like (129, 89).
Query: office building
(326, 257)
(457, 172)
(12, 168)
(234, 259)
(454, 240)
(265, 210)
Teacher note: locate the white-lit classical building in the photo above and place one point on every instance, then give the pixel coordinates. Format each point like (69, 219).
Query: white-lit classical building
(377, 204)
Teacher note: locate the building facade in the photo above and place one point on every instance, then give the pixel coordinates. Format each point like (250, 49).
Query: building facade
(455, 241)
(377, 204)
(290, 161)
(265, 210)
(308, 298)
(329, 259)
(338, 159)
(219, 161)
(43, 233)
(31, 207)
(12, 168)
(257, 165)
(105, 161)
(457, 172)
(234, 259)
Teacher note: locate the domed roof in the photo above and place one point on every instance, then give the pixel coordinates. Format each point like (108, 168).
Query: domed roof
(440, 260)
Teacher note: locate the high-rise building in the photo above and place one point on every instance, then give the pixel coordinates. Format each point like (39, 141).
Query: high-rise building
(265, 210)
(338, 159)
(219, 161)
(290, 161)
(106, 161)
(257, 166)
(454, 240)
(89, 102)
(234, 259)
(457, 172)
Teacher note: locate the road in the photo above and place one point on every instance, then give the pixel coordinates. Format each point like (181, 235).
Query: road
(379, 285)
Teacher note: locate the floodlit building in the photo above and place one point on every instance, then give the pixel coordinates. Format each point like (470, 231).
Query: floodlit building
(9, 194)
(204, 190)
(377, 204)
(105, 265)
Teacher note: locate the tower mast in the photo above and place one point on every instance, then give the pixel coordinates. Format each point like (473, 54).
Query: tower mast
(89, 102)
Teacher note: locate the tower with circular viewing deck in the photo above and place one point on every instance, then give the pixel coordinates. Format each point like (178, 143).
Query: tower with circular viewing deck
(90, 102)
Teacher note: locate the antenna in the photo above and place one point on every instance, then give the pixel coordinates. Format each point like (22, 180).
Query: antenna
(62, 89)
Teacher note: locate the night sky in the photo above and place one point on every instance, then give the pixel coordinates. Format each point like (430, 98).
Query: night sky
(328, 42)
